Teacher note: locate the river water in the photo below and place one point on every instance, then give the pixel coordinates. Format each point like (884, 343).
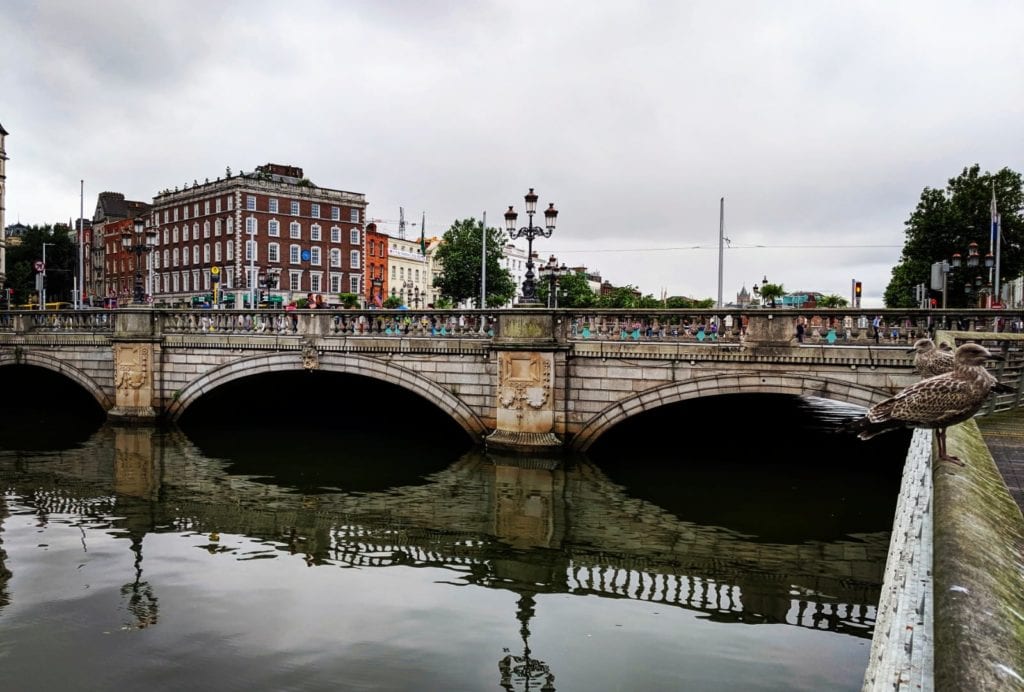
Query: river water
(369, 546)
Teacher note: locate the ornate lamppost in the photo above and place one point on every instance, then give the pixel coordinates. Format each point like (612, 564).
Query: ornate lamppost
(553, 273)
(530, 232)
(972, 262)
(140, 242)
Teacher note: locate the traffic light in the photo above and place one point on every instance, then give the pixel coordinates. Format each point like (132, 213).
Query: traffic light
(857, 289)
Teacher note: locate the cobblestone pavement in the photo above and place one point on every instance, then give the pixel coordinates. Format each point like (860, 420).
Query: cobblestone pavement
(1004, 435)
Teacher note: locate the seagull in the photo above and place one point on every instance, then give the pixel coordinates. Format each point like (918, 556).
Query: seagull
(935, 360)
(936, 402)
(931, 360)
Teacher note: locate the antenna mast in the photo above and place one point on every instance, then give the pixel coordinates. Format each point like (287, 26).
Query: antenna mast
(401, 223)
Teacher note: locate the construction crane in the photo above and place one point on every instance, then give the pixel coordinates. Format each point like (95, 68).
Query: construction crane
(402, 223)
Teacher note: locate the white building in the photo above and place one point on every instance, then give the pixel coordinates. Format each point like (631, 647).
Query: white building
(513, 259)
(409, 275)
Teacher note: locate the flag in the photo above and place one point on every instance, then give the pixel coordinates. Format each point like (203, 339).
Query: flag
(377, 300)
(423, 235)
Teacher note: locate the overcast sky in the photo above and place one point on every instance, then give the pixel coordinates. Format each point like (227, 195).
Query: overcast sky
(820, 123)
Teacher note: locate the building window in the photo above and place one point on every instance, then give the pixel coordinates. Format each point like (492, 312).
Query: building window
(195, 210)
(273, 228)
(166, 215)
(167, 255)
(216, 227)
(273, 252)
(295, 230)
(206, 253)
(175, 215)
(372, 249)
(315, 282)
(250, 226)
(229, 277)
(295, 208)
(195, 279)
(294, 254)
(229, 251)
(335, 283)
(335, 234)
(167, 233)
(195, 254)
(353, 215)
(229, 227)
(335, 215)
(335, 257)
(231, 202)
(295, 281)
(216, 205)
(216, 252)
(206, 229)
(250, 202)
(353, 236)
(174, 257)
(184, 233)
(314, 256)
(272, 205)
(353, 260)
(314, 232)
(195, 231)
(206, 208)
(353, 284)
(184, 212)
(314, 210)
(175, 280)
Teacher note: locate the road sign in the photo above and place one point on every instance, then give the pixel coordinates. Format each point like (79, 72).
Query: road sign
(40, 266)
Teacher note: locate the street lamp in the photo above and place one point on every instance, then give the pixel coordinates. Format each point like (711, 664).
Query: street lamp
(42, 284)
(973, 260)
(268, 280)
(530, 232)
(140, 242)
(759, 290)
(553, 273)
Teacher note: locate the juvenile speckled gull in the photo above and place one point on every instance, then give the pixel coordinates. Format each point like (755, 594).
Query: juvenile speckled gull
(935, 402)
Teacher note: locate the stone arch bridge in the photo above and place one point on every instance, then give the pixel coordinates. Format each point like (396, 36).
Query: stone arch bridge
(520, 379)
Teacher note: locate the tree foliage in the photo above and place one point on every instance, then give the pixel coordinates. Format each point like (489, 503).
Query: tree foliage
(61, 264)
(771, 293)
(946, 221)
(572, 291)
(459, 258)
(833, 301)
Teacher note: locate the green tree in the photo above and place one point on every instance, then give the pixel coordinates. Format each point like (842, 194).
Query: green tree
(61, 262)
(682, 302)
(620, 297)
(573, 291)
(947, 221)
(833, 301)
(771, 293)
(459, 258)
(391, 303)
(348, 300)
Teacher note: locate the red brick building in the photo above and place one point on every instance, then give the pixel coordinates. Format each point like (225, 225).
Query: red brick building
(376, 265)
(271, 230)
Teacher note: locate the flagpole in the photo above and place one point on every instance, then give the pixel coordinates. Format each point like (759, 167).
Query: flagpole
(483, 264)
(996, 242)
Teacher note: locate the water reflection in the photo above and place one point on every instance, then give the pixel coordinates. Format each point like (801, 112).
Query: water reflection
(525, 527)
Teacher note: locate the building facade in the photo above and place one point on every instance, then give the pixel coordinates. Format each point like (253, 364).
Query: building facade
(108, 223)
(409, 272)
(270, 228)
(375, 251)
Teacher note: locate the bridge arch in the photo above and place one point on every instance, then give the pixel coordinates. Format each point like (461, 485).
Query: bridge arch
(714, 385)
(47, 362)
(351, 364)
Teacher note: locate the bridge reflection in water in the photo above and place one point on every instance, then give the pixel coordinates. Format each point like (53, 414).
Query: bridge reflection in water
(528, 526)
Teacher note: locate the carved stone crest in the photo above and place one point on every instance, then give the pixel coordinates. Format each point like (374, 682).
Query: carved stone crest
(310, 356)
(132, 366)
(524, 381)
